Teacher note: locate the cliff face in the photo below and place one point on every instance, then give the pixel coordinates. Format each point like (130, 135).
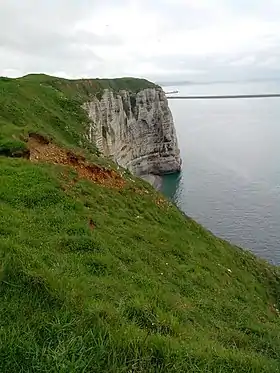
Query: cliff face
(136, 130)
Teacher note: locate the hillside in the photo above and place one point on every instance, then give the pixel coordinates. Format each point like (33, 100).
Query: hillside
(99, 272)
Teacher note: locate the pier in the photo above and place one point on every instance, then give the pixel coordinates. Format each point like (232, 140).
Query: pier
(213, 97)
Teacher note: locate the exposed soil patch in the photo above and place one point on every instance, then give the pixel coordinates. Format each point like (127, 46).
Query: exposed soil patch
(91, 225)
(41, 150)
(161, 202)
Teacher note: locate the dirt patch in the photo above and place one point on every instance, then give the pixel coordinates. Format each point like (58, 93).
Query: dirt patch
(92, 226)
(41, 150)
(161, 202)
(39, 138)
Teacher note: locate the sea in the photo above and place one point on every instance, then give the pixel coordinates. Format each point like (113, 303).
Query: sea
(230, 149)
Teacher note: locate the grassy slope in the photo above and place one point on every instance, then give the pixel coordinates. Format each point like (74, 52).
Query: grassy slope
(146, 290)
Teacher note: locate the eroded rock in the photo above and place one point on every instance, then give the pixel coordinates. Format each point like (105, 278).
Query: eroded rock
(136, 130)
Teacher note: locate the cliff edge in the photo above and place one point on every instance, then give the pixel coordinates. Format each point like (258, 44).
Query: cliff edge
(136, 130)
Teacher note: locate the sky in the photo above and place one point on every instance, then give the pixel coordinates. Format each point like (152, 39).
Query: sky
(162, 40)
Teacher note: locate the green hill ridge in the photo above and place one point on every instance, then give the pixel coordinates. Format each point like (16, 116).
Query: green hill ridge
(98, 271)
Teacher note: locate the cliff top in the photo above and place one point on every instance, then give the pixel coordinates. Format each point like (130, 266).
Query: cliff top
(100, 273)
(83, 87)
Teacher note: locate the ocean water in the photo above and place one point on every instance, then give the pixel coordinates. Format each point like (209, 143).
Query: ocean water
(230, 181)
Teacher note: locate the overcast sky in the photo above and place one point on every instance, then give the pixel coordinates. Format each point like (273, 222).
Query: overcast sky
(158, 39)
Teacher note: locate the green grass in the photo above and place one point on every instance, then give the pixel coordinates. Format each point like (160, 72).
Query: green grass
(146, 290)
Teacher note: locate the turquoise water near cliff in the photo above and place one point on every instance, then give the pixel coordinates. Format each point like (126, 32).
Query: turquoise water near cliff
(230, 181)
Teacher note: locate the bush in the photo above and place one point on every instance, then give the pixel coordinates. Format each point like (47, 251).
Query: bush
(13, 148)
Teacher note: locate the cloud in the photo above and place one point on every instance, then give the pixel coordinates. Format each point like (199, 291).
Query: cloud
(244, 61)
(160, 40)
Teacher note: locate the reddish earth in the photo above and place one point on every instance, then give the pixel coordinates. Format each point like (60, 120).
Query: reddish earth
(41, 150)
(91, 224)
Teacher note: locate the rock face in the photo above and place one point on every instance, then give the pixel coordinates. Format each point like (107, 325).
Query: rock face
(136, 130)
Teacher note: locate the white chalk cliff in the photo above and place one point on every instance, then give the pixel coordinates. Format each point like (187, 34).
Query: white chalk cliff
(136, 130)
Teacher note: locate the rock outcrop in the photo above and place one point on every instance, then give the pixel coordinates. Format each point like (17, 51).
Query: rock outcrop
(136, 130)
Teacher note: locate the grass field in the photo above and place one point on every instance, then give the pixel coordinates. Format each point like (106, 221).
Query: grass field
(113, 278)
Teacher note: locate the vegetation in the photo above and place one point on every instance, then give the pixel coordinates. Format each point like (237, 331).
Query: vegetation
(115, 279)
